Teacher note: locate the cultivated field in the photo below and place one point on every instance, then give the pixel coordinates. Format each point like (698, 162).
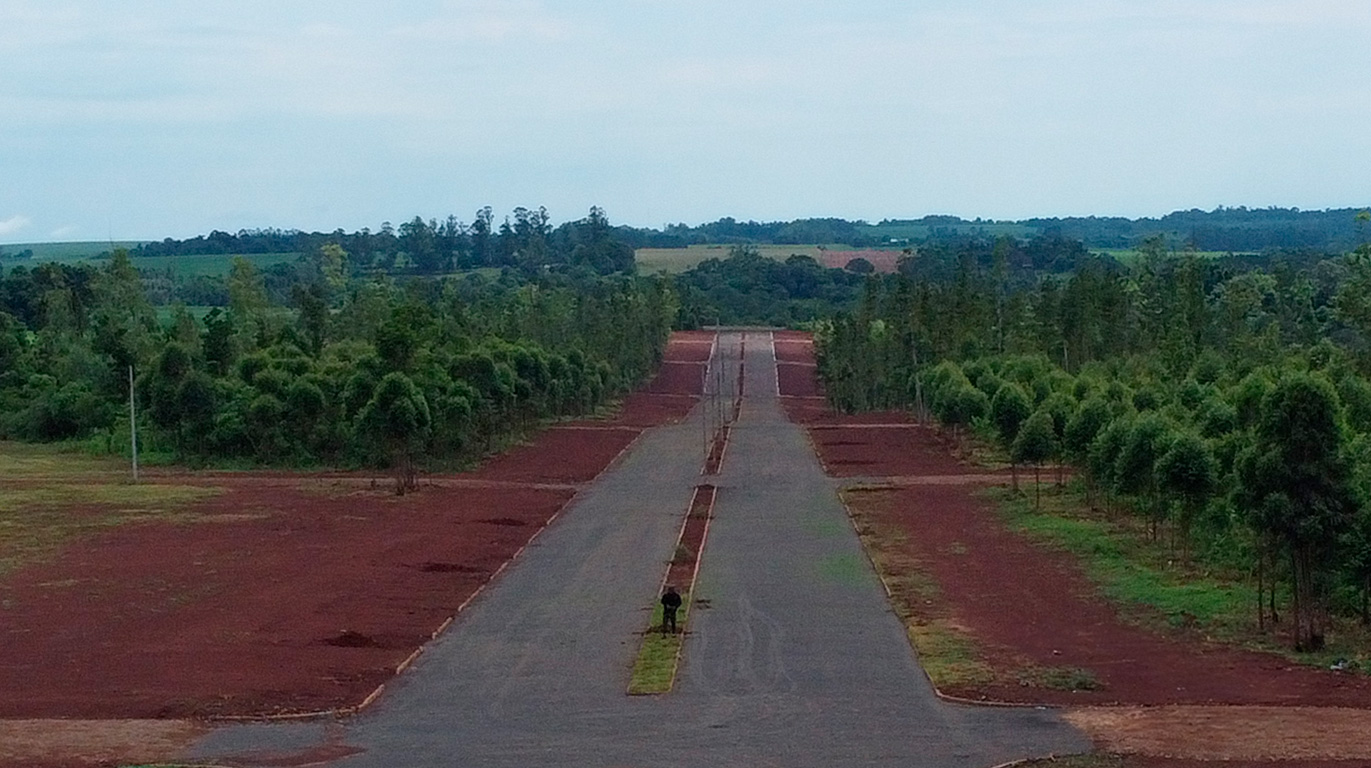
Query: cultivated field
(676, 260)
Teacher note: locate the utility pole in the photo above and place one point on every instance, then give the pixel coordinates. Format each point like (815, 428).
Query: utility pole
(133, 426)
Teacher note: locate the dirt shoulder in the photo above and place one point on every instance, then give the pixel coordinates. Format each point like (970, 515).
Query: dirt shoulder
(1001, 618)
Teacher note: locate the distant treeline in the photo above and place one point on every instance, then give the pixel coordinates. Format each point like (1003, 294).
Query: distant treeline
(526, 241)
(1222, 229)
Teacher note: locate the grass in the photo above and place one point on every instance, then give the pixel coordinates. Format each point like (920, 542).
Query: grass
(210, 264)
(49, 496)
(1128, 568)
(654, 671)
(1153, 588)
(1077, 761)
(67, 251)
(185, 266)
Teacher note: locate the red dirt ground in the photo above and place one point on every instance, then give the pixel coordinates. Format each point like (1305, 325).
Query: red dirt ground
(884, 450)
(290, 597)
(570, 454)
(883, 261)
(790, 349)
(796, 380)
(1031, 602)
(681, 571)
(678, 379)
(296, 593)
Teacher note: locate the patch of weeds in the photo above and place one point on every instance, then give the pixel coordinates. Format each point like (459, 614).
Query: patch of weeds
(682, 556)
(1077, 761)
(654, 670)
(949, 655)
(1058, 678)
(1129, 569)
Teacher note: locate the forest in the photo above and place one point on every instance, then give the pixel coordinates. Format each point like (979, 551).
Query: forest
(337, 366)
(1223, 404)
(1221, 401)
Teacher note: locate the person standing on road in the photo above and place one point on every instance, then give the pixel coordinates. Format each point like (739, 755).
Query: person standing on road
(671, 602)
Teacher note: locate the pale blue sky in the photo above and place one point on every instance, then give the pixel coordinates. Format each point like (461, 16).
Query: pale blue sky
(152, 118)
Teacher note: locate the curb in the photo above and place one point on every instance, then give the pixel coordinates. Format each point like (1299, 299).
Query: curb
(694, 576)
(353, 709)
(889, 595)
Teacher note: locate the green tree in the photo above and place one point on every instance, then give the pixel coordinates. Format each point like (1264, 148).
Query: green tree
(397, 420)
(1035, 443)
(1008, 409)
(1187, 473)
(1135, 469)
(1294, 484)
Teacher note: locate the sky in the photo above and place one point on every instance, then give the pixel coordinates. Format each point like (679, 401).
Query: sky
(146, 119)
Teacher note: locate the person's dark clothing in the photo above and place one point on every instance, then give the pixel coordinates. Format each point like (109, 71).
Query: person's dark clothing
(671, 602)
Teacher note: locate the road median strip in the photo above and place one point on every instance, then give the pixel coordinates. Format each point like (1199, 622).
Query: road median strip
(659, 655)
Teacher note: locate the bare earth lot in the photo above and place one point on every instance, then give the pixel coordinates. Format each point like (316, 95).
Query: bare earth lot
(280, 593)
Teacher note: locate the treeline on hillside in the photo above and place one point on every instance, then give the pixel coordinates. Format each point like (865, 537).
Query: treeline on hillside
(355, 371)
(1238, 230)
(1231, 406)
(526, 241)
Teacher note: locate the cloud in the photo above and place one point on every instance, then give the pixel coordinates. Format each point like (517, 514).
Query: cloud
(13, 224)
(63, 233)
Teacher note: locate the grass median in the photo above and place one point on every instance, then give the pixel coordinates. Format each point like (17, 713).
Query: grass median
(654, 671)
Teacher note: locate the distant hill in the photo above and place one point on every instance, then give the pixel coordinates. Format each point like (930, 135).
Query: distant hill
(1222, 229)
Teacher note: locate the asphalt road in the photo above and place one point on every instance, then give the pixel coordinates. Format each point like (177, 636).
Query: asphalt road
(797, 660)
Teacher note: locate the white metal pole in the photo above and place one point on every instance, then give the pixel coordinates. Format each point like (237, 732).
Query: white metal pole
(133, 426)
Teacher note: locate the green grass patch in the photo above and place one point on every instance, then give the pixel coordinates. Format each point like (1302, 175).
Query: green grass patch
(49, 496)
(1143, 576)
(210, 264)
(82, 250)
(654, 671)
(1077, 761)
(1058, 678)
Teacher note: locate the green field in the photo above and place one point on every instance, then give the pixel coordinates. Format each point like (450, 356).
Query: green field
(66, 252)
(886, 232)
(211, 264)
(94, 251)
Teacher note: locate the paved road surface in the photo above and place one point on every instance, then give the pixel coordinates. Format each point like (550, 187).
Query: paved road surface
(797, 661)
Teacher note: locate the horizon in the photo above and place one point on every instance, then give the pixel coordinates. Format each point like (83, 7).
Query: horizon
(662, 227)
(152, 120)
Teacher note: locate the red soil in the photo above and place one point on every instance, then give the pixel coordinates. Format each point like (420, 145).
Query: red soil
(290, 593)
(644, 409)
(570, 454)
(1028, 602)
(794, 350)
(797, 380)
(676, 378)
(681, 571)
(883, 261)
(289, 597)
(690, 346)
(884, 450)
